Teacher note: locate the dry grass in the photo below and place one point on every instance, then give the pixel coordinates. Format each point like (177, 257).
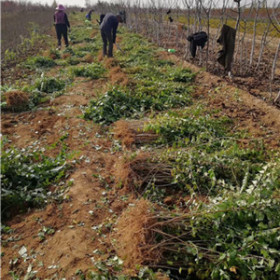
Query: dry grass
(21, 14)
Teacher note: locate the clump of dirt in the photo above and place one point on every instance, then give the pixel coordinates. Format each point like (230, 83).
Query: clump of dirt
(17, 100)
(133, 237)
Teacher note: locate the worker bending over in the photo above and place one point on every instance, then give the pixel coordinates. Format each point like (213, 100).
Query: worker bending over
(108, 30)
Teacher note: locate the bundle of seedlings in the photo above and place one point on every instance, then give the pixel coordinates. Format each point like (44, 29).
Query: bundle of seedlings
(118, 77)
(142, 172)
(131, 132)
(232, 236)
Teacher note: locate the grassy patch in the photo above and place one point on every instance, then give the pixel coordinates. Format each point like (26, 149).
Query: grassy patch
(26, 175)
(93, 71)
(187, 126)
(40, 62)
(117, 104)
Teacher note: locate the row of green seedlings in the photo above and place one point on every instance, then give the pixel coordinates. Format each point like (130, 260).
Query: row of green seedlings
(231, 227)
(235, 235)
(157, 85)
(201, 156)
(26, 175)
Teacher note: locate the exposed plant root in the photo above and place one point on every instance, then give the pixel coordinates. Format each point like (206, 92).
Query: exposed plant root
(16, 99)
(88, 58)
(118, 77)
(133, 240)
(65, 55)
(140, 172)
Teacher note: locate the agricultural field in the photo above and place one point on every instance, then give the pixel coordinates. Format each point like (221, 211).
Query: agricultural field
(141, 166)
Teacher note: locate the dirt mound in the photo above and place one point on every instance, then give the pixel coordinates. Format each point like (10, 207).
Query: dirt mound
(133, 237)
(17, 99)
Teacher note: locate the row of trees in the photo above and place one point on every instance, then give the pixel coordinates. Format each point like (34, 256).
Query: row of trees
(257, 23)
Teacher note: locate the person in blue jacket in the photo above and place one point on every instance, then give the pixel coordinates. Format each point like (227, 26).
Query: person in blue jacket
(88, 15)
(108, 30)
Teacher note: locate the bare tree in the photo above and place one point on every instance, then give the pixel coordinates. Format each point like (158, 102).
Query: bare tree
(254, 32)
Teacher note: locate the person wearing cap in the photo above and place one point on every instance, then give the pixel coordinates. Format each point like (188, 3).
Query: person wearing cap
(108, 30)
(61, 25)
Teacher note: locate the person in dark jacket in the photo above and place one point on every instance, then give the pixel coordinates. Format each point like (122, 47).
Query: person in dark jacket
(100, 19)
(197, 39)
(227, 40)
(61, 25)
(108, 30)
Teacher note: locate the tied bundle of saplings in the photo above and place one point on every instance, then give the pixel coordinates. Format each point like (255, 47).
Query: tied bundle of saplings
(235, 235)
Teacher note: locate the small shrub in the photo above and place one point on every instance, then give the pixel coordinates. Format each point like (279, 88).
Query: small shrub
(49, 85)
(181, 75)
